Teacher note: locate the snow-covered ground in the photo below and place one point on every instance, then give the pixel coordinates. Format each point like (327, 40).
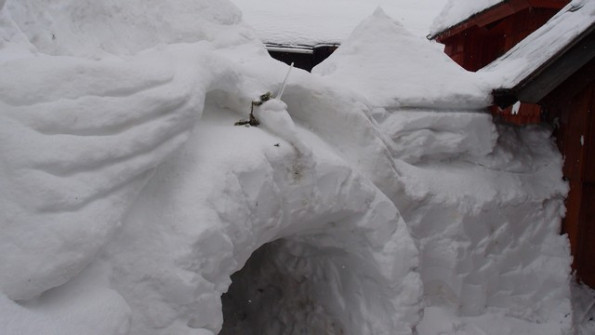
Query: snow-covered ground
(367, 201)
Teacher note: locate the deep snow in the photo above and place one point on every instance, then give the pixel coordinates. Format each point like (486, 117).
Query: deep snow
(130, 198)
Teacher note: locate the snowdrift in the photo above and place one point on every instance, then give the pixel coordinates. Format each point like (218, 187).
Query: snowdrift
(131, 201)
(382, 61)
(473, 194)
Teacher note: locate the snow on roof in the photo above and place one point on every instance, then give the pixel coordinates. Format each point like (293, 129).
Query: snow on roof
(311, 22)
(541, 46)
(456, 11)
(391, 67)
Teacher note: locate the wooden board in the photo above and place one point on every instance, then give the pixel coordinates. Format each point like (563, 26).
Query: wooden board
(586, 247)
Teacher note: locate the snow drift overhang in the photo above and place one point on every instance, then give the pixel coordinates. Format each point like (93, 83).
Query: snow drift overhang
(482, 17)
(546, 58)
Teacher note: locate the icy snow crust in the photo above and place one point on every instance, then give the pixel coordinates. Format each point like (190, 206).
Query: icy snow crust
(129, 198)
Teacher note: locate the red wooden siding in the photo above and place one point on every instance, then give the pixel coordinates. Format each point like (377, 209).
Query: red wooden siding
(526, 114)
(586, 250)
(572, 106)
(482, 41)
(585, 263)
(488, 35)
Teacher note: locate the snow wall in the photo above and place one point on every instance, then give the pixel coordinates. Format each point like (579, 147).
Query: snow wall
(130, 198)
(483, 202)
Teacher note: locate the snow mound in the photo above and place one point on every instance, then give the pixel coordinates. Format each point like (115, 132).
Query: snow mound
(131, 203)
(127, 185)
(93, 28)
(212, 210)
(376, 62)
(75, 154)
(474, 195)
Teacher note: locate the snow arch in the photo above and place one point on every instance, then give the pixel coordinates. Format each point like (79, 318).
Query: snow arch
(211, 211)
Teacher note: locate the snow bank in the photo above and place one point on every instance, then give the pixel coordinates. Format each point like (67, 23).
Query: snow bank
(391, 67)
(342, 234)
(455, 12)
(483, 202)
(130, 199)
(94, 28)
(584, 309)
(489, 227)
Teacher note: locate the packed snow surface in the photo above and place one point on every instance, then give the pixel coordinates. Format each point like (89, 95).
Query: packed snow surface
(131, 204)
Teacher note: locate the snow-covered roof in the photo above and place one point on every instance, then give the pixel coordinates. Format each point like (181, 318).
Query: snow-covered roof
(543, 46)
(456, 11)
(391, 67)
(311, 22)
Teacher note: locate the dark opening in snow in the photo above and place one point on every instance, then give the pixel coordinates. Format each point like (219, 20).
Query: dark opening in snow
(273, 294)
(306, 57)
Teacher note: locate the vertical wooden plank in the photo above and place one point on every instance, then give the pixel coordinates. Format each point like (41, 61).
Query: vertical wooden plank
(589, 141)
(579, 202)
(577, 128)
(586, 252)
(570, 224)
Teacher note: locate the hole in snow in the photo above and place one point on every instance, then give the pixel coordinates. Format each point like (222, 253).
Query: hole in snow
(281, 290)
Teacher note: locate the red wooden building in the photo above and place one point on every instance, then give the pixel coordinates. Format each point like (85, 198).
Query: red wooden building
(557, 82)
(480, 39)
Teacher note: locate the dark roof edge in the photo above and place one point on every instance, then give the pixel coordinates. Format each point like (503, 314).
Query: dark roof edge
(298, 48)
(504, 97)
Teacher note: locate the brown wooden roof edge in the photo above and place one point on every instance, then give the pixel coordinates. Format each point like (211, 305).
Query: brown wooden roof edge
(545, 78)
(500, 10)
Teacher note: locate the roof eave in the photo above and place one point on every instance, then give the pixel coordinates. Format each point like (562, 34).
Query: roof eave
(534, 87)
(505, 8)
(464, 24)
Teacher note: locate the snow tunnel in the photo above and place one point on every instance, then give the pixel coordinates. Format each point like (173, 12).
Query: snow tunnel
(336, 277)
(267, 240)
(313, 248)
(311, 284)
(279, 291)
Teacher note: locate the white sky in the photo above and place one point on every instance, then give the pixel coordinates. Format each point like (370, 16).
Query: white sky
(316, 21)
